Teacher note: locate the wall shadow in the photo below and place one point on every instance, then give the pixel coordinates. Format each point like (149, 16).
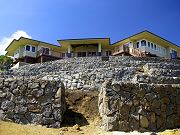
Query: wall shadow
(71, 118)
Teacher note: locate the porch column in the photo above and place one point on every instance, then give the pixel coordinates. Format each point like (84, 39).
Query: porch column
(139, 43)
(146, 42)
(69, 51)
(99, 49)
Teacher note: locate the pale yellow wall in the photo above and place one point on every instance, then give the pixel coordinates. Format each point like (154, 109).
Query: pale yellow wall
(21, 52)
(159, 49)
(53, 50)
(85, 49)
(30, 53)
(56, 54)
(159, 52)
(88, 48)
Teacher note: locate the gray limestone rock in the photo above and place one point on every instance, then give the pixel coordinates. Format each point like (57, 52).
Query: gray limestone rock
(7, 105)
(39, 102)
(138, 109)
(20, 109)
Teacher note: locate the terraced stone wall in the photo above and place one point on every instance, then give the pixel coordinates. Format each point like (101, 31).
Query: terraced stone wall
(32, 101)
(140, 106)
(88, 73)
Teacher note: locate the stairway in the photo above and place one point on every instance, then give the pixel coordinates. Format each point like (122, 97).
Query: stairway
(127, 50)
(136, 52)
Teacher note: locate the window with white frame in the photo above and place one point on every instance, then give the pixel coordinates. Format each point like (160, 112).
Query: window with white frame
(155, 46)
(45, 50)
(173, 52)
(137, 45)
(164, 50)
(152, 45)
(143, 43)
(158, 48)
(28, 48)
(33, 49)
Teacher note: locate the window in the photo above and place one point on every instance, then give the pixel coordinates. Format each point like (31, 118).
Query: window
(155, 47)
(137, 45)
(81, 54)
(152, 45)
(108, 53)
(164, 50)
(161, 49)
(148, 44)
(93, 53)
(45, 50)
(33, 49)
(28, 48)
(174, 52)
(63, 55)
(143, 43)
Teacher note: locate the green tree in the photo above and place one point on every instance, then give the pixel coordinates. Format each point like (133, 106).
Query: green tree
(5, 62)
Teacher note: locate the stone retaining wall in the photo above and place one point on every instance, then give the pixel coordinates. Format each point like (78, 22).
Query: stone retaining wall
(88, 73)
(142, 107)
(33, 101)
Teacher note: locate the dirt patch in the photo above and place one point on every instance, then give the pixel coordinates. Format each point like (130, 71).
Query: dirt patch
(82, 107)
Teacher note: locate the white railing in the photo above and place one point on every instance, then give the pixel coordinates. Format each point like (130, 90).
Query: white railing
(16, 56)
(49, 53)
(126, 49)
(120, 49)
(178, 55)
(29, 53)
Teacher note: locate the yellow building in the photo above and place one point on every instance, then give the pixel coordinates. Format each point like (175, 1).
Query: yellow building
(32, 51)
(143, 44)
(85, 47)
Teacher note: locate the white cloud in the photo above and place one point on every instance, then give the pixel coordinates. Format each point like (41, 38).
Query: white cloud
(4, 42)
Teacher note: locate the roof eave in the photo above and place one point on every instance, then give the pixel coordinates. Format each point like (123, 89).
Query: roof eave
(75, 39)
(149, 33)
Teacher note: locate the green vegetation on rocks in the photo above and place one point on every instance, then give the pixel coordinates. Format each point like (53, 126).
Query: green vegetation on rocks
(5, 62)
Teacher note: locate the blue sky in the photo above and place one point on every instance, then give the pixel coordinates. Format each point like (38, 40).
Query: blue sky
(49, 20)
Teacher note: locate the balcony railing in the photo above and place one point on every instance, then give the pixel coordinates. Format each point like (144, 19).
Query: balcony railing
(125, 49)
(137, 53)
(120, 49)
(16, 56)
(178, 55)
(85, 54)
(42, 52)
(175, 55)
